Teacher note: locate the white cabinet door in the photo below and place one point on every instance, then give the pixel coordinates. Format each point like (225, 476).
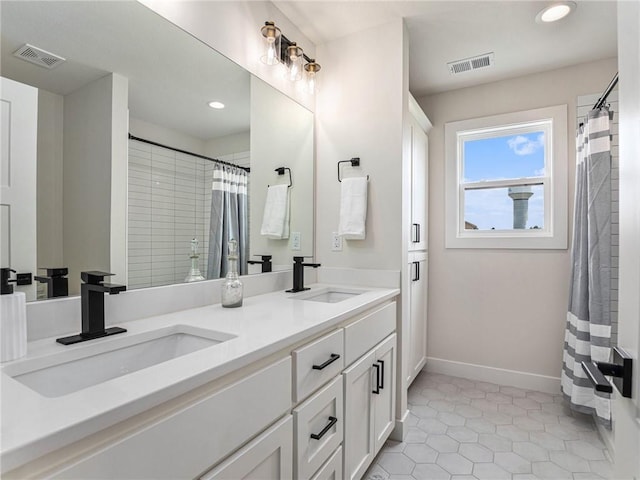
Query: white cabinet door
(332, 469)
(270, 456)
(18, 145)
(419, 182)
(358, 444)
(418, 314)
(384, 404)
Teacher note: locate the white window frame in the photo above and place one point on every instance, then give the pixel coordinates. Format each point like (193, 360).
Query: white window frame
(553, 122)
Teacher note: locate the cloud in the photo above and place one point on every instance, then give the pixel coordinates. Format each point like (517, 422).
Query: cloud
(522, 145)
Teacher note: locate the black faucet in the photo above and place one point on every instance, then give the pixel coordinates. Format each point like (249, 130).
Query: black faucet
(92, 292)
(298, 274)
(57, 283)
(265, 262)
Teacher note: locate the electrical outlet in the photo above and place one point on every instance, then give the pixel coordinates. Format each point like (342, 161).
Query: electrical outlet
(296, 240)
(336, 242)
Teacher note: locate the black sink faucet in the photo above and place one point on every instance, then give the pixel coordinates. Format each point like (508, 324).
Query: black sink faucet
(298, 273)
(92, 298)
(265, 262)
(56, 280)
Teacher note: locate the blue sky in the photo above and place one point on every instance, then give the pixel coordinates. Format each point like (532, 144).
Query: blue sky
(512, 156)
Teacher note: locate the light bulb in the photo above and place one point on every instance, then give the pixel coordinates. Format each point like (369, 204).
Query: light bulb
(271, 53)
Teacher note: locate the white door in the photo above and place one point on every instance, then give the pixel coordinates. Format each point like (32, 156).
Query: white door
(626, 411)
(18, 145)
(384, 405)
(358, 432)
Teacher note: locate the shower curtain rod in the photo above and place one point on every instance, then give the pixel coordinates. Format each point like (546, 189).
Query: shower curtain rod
(603, 97)
(133, 137)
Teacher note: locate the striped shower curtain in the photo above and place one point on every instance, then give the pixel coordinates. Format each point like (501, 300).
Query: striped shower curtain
(588, 327)
(229, 219)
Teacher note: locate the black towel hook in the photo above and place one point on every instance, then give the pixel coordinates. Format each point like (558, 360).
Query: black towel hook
(355, 162)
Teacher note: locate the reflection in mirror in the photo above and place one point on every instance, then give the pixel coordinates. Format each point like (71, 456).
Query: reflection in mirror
(134, 206)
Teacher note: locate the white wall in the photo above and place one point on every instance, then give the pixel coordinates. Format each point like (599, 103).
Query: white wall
(281, 136)
(166, 136)
(233, 29)
(360, 114)
(49, 180)
(235, 143)
(87, 197)
(498, 308)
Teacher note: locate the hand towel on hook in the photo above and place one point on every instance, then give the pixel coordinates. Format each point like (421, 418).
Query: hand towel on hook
(353, 208)
(275, 220)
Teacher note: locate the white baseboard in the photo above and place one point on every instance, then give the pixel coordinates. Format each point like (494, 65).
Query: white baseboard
(400, 429)
(500, 376)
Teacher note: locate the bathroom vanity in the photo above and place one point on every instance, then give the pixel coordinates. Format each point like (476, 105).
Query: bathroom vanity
(288, 386)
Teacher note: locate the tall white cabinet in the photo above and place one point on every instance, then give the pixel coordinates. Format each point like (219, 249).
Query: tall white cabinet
(415, 272)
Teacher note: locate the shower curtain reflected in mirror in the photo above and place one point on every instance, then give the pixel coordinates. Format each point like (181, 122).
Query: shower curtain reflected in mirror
(229, 219)
(588, 327)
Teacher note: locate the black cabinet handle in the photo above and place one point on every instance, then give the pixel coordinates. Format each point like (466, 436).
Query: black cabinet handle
(332, 422)
(416, 276)
(377, 390)
(416, 232)
(332, 358)
(381, 362)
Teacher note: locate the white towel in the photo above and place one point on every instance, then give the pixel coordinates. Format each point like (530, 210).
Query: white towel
(275, 219)
(353, 208)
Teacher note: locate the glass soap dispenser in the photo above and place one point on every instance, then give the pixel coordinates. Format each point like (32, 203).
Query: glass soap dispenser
(232, 286)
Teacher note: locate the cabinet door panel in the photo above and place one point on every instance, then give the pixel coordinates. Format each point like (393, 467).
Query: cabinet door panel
(418, 237)
(268, 456)
(358, 432)
(418, 315)
(384, 404)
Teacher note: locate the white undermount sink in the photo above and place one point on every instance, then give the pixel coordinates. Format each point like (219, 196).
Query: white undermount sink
(329, 295)
(65, 372)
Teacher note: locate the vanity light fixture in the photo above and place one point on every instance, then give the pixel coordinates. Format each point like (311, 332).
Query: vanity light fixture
(272, 39)
(311, 69)
(279, 49)
(217, 105)
(555, 12)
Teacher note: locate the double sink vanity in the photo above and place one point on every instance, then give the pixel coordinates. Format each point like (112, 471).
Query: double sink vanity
(287, 386)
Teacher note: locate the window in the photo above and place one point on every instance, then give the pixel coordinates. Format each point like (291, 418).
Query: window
(506, 184)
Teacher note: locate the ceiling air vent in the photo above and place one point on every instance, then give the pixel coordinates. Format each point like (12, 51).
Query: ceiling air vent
(38, 56)
(469, 64)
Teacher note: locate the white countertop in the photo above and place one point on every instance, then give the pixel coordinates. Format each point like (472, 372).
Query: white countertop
(33, 425)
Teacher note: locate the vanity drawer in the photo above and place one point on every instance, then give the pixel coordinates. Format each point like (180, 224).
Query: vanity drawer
(362, 335)
(188, 442)
(332, 469)
(316, 363)
(318, 429)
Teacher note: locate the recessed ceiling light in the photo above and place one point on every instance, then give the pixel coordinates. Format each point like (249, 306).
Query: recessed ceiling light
(555, 12)
(216, 105)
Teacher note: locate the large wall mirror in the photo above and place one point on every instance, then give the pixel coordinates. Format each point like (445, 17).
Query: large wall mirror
(130, 154)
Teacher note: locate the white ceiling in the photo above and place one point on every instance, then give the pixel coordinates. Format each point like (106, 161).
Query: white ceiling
(444, 31)
(172, 76)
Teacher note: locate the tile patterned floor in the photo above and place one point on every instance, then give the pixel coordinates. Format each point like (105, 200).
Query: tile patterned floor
(460, 429)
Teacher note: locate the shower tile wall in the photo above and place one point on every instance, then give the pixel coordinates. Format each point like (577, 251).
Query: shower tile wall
(169, 204)
(583, 105)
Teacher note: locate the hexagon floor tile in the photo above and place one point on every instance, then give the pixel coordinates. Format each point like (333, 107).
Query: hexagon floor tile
(466, 430)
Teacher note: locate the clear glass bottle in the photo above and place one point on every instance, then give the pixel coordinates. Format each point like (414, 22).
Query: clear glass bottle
(232, 286)
(194, 273)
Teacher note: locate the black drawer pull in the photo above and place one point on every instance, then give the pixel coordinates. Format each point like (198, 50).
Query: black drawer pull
(381, 362)
(332, 422)
(332, 358)
(416, 233)
(377, 390)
